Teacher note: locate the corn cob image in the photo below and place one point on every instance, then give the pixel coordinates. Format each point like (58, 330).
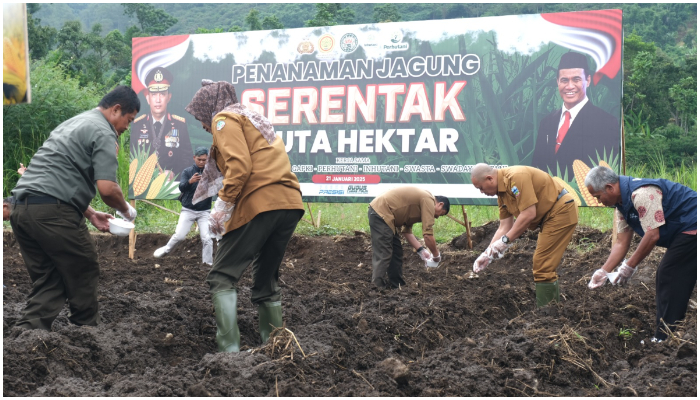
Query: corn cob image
(143, 177)
(569, 189)
(132, 170)
(580, 172)
(156, 185)
(602, 163)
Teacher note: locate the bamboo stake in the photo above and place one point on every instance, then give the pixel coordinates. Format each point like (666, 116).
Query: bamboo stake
(468, 226)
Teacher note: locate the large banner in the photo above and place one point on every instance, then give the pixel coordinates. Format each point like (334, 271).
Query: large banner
(366, 108)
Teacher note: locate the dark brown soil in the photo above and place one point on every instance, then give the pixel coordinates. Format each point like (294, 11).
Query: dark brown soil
(444, 334)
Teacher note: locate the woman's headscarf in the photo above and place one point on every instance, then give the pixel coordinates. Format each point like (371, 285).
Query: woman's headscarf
(211, 99)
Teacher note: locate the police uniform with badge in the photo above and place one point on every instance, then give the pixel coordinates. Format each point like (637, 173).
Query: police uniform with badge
(167, 136)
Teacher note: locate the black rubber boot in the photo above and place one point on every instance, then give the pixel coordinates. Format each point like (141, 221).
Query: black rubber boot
(228, 337)
(269, 318)
(546, 292)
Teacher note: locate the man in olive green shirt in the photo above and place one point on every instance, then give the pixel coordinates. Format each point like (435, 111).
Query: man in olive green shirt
(52, 200)
(396, 209)
(529, 198)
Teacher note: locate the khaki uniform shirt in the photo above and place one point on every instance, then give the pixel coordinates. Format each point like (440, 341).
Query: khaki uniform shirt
(402, 207)
(258, 176)
(78, 153)
(521, 187)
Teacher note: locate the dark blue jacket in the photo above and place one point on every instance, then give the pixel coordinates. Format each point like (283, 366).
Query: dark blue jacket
(679, 205)
(187, 189)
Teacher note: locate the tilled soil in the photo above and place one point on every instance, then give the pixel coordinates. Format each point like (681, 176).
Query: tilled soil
(447, 333)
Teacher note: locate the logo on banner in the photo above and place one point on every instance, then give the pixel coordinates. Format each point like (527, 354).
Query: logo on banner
(396, 39)
(348, 42)
(357, 189)
(370, 41)
(305, 47)
(326, 43)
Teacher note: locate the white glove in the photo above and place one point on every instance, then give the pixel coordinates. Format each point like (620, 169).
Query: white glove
(483, 261)
(598, 279)
(130, 213)
(219, 215)
(625, 273)
(424, 254)
(498, 249)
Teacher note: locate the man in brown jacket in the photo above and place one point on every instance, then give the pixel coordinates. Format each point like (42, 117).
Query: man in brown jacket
(535, 200)
(396, 209)
(256, 213)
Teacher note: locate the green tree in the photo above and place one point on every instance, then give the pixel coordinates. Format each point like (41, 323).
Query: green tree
(330, 14)
(386, 13)
(253, 20)
(271, 22)
(40, 38)
(153, 21)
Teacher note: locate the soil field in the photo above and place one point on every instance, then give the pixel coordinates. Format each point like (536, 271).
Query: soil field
(447, 333)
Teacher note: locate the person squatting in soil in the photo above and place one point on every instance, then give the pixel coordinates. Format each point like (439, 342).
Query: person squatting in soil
(401, 208)
(535, 200)
(52, 200)
(256, 213)
(663, 213)
(189, 180)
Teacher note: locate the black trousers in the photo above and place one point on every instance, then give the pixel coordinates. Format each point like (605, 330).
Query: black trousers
(61, 260)
(262, 243)
(675, 281)
(387, 253)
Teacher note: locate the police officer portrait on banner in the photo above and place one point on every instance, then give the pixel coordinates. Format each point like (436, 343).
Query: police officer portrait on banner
(578, 130)
(160, 131)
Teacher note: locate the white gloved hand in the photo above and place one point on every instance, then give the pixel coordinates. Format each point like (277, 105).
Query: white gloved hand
(130, 213)
(598, 279)
(424, 254)
(483, 261)
(625, 273)
(219, 215)
(498, 249)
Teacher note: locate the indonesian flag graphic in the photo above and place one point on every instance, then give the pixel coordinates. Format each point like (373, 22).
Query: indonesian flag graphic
(596, 33)
(158, 51)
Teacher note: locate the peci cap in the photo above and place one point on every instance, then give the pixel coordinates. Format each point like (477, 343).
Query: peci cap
(159, 79)
(573, 60)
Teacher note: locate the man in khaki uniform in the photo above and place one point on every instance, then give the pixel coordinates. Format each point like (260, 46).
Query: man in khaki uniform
(401, 208)
(535, 200)
(256, 212)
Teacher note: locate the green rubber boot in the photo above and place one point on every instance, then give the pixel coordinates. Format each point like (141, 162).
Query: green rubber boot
(228, 337)
(270, 317)
(546, 292)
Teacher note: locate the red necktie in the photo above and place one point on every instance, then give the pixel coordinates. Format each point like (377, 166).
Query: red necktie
(562, 131)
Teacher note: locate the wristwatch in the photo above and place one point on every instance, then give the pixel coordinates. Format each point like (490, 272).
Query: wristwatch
(505, 239)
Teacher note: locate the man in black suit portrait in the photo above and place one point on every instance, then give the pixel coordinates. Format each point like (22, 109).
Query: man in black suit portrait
(578, 130)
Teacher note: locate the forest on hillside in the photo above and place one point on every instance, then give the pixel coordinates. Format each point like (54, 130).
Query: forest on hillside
(83, 49)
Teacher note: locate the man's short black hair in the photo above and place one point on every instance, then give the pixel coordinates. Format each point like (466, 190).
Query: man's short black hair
(7, 200)
(445, 201)
(125, 97)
